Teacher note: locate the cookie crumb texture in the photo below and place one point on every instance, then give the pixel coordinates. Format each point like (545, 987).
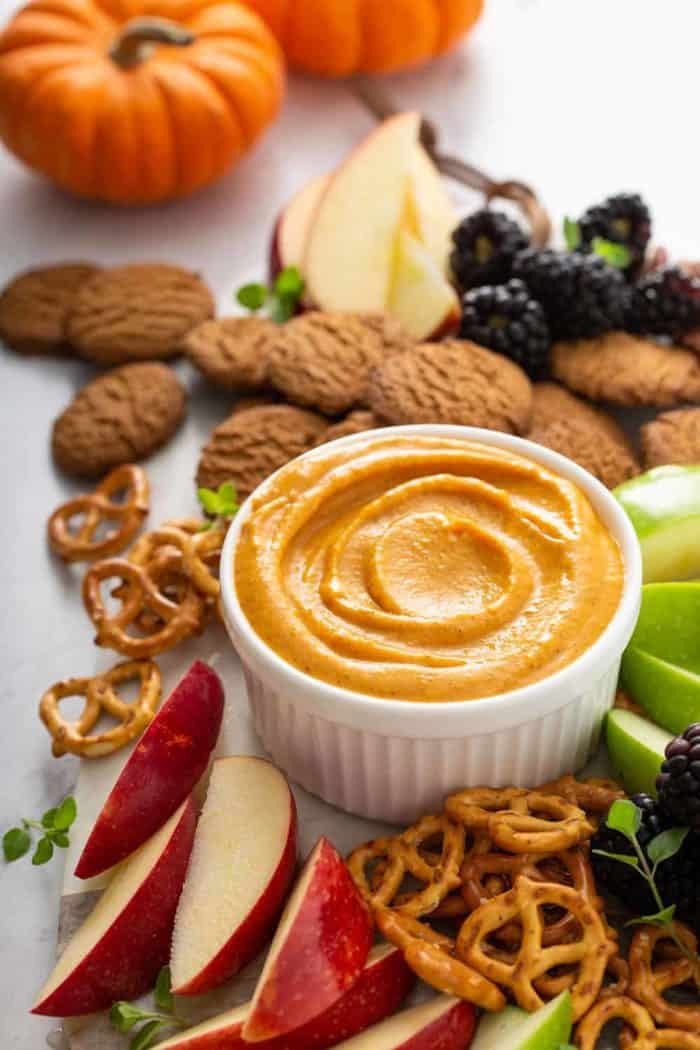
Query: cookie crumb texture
(585, 434)
(233, 352)
(323, 360)
(35, 306)
(454, 382)
(673, 437)
(624, 369)
(138, 312)
(252, 444)
(121, 416)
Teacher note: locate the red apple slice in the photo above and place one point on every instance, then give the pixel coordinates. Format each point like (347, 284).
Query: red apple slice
(443, 1023)
(291, 230)
(171, 756)
(242, 867)
(318, 952)
(349, 258)
(379, 990)
(125, 940)
(421, 298)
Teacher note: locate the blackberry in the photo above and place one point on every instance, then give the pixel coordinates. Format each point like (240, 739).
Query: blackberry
(677, 881)
(485, 244)
(618, 878)
(505, 318)
(582, 295)
(678, 783)
(665, 302)
(624, 219)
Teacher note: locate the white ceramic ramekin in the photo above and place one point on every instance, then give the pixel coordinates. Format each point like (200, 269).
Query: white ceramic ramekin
(393, 760)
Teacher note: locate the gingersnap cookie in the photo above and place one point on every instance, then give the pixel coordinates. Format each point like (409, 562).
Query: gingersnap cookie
(587, 435)
(232, 352)
(34, 307)
(628, 370)
(354, 423)
(121, 416)
(252, 444)
(452, 382)
(137, 312)
(323, 360)
(673, 437)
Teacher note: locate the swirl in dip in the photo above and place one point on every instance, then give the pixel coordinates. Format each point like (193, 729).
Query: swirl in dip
(425, 568)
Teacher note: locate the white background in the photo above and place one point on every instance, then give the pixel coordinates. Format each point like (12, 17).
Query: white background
(579, 97)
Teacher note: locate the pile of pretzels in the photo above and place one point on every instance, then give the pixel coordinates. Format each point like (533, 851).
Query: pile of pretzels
(511, 868)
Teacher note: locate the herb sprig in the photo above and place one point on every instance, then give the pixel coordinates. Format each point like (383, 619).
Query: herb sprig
(279, 300)
(615, 254)
(54, 827)
(125, 1016)
(220, 504)
(626, 818)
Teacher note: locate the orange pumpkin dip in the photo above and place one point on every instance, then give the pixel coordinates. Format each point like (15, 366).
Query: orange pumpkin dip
(425, 568)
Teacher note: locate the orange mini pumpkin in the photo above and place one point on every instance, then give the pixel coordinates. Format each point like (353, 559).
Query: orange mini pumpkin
(338, 37)
(136, 101)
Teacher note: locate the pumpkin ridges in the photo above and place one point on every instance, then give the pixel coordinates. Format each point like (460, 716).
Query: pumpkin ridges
(22, 70)
(158, 162)
(400, 33)
(456, 17)
(244, 55)
(35, 28)
(81, 12)
(327, 37)
(251, 109)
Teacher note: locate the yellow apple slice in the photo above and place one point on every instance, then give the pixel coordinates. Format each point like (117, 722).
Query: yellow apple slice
(421, 297)
(432, 214)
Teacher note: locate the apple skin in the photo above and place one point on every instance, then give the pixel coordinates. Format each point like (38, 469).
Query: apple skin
(255, 931)
(291, 229)
(515, 1029)
(442, 1023)
(322, 943)
(636, 749)
(664, 508)
(169, 759)
(379, 990)
(126, 960)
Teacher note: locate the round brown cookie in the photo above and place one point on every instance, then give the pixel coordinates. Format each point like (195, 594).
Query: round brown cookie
(34, 307)
(137, 312)
(121, 416)
(251, 444)
(452, 382)
(627, 370)
(354, 423)
(673, 437)
(232, 352)
(585, 434)
(323, 360)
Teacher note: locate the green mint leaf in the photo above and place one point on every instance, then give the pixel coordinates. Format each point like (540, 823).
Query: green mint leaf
(252, 296)
(65, 814)
(666, 844)
(60, 839)
(162, 994)
(282, 308)
(209, 500)
(289, 284)
(15, 843)
(123, 1016)
(228, 497)
(623, 858)
(49, 817)
(659, 918)
(572, 234)
(146, 1036)
(616, 255)
(43, 852)
(624, 817)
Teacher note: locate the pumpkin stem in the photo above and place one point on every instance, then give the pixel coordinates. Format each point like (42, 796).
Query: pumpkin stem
(140, 36)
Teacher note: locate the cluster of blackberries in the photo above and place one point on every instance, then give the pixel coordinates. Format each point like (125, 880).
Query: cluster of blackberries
(518, 300)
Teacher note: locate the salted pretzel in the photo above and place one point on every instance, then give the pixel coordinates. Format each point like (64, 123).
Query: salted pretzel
(102, 697)
(594, 796)
(521, 821)
(73, 527)
(473, 806)
(639, 1031)
(197, 548)
(142, 590)
(430, 955)
(650, 978)
(518, 970)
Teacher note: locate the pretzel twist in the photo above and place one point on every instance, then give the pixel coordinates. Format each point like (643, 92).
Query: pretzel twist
(520, 821)
(639, 1031)
(196, 547)
(96, 508)
(101, 696)
(650, 979)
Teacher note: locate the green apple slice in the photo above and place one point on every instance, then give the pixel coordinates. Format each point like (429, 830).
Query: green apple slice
(664, 507)
(515, 1029)
(661, 665)
(636, 749)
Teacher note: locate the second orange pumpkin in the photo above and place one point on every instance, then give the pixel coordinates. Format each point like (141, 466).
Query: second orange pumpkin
(336, 38)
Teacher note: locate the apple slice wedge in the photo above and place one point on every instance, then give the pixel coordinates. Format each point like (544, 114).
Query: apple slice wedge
(318, 952)
(289, 237)
(443, 1023)
(433, 214)
(349, 258)
(379, 990)
(242, 867)
(420, 297)
(169, 759)
(636, 748)
(125, 940)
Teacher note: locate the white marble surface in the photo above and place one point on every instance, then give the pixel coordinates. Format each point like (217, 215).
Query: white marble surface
(580, 97)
